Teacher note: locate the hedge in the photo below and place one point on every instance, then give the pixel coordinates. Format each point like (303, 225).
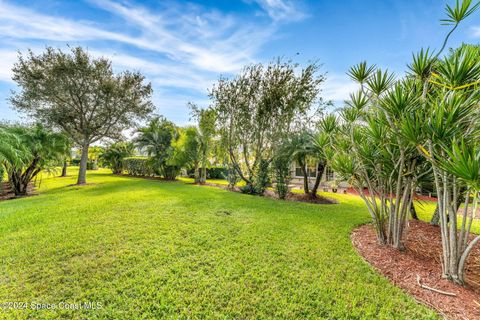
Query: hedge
(217, 173)
(138, 166)
(212, 173)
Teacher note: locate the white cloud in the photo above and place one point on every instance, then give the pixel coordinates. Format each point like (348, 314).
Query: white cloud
(476, 32)
(281, 10)
(8, 58)
(338, 88)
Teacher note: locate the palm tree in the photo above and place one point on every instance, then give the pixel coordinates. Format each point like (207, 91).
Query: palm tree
(32, 150)
(114, 154)
(451, 115)
(156, 140)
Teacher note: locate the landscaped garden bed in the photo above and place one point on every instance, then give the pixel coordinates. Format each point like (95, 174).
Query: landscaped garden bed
(419, 264)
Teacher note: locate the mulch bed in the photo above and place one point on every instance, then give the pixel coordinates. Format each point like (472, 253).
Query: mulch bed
(422, 257)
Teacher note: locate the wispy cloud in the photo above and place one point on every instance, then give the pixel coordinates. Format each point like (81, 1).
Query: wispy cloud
(476, 32)
(338, 88)
(281, 10)
(177, 46)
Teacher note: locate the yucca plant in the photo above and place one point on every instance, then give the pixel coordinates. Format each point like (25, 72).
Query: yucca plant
(373, 156)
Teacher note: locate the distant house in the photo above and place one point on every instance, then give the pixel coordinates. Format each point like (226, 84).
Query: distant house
(328, 176)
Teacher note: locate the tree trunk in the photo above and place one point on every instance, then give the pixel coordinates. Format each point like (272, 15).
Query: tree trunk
(203, 175)
(320, 170)
(82, 173)
(435, 221)
(305, 177)
(64, 169)
(196, 173)
(413, 211)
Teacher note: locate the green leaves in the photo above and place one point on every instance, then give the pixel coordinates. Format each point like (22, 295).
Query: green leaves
(459, 12)
(463, 161)
(422, 64)
(399, 100)
(459, 69)
(361, 72)
(380, 82)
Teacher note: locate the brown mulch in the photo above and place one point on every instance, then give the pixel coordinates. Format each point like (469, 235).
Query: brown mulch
(422, 257)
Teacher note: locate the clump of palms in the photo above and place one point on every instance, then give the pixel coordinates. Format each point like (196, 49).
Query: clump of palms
(156, 141)
(25, 151)
(114, 154)
(398, 132)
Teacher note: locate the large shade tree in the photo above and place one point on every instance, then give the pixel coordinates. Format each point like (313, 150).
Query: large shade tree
(259, 108)
(80, 95)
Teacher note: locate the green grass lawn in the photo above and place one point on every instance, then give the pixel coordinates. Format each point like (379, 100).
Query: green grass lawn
(149, 249)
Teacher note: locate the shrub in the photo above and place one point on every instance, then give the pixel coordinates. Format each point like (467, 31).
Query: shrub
(232, 177)
(170, 172)
(262, 179)
(138, 166)
(112, 157)
(248, 189)
(92, 165)
(217, 173)
(75, 162)
(282, 176)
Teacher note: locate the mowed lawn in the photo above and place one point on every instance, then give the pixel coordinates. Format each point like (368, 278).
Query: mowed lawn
(147, 249)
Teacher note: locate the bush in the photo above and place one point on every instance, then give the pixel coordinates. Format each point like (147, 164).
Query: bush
(262, 179)
(232, 177)
(212, 173)
(92, 165)
(248, 189)
(75, 162)
(170, 172)
(217, 173)
(282, 176)
(138, 166)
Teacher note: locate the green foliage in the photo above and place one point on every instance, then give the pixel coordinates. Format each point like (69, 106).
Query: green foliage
(206, 119)
(281, 169)
(248, 189)
(217, 173)
(463, 161)
(459, 12)
(260, 107)
(113, 155)
(138, 166)
(28, 150)
(159, 141)
(2, 174)
(232, 177)
(262, 179)
(80, 95)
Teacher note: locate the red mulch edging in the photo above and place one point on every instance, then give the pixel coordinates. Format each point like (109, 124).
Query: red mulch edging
(422, 257)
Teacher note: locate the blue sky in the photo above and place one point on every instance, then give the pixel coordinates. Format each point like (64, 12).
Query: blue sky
(184, 46)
